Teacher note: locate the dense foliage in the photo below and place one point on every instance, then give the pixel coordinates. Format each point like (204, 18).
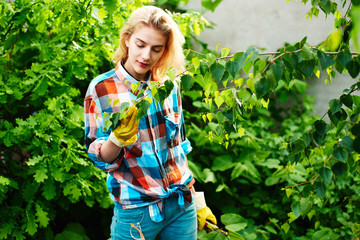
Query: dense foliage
(270, 169)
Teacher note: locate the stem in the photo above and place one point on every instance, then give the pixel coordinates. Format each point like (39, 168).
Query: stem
(7, 32)
(348, 9)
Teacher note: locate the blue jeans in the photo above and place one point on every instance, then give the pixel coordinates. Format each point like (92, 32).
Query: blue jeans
(175, 226)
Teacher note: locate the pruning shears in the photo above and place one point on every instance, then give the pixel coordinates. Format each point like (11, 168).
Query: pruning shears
(213, 227)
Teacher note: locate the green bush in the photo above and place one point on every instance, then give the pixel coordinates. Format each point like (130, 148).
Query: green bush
(270, 168)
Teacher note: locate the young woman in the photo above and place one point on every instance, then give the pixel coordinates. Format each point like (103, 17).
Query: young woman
(148, 176)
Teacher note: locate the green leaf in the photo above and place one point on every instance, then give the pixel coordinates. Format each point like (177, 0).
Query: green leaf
(41, 216)
(222, 163)
(211, 58)
(271, 229)
(232, 218)
(356, 144)
(224, 52)
(326, 6)
(326, 174)
(232, 67)
(285, 227)
(187, 81)
(34, 160)
(339, 169)
(298, 85)
(307, 138)
(209, 176)
(305, 206)
(169, 85)
(338, 117)
(297, 146)
(295, 208)
(262, 87)
(325, 60)
(110, 6)
(135, 87)
(335, 105)
(320, 188)
(4, 181)
(240, 59)
(219, 100)
(340, 153)
(41, 173)
(356, 99)
(321, 127)
(290, 60)
(107, 121)
(344, 57)
(244, 94)
(346, 142)
(31, 226)
(252, 171)
(292, 217)
(270, 163)
(347, 100)
(307, 68)
(49, 189)
(210, 4)
(115, 117)
(277, 70)
(353, 68)
(217, 71)
(236, 226)
(259, 66)
(306, 53)
(355, 129)
(71, 189)
(196, 62)
(238, 170)
(6, 229)
(143, 106)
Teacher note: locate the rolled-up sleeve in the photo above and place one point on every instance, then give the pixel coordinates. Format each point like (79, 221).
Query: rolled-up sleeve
(95, 134)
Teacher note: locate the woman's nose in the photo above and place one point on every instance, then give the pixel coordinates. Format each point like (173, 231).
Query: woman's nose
(146, 54)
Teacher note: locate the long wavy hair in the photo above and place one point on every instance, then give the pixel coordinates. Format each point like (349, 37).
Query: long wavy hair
(173, 55)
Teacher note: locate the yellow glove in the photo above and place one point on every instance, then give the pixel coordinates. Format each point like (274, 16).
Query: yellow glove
(125, 133)
(203, 212)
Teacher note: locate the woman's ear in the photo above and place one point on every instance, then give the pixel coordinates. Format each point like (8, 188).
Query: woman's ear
(127, 40)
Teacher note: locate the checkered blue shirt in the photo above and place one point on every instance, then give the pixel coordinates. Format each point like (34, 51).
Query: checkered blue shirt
(155, 166)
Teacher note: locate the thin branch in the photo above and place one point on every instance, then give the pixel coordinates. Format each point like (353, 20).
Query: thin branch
(348, 9)
(7, 32)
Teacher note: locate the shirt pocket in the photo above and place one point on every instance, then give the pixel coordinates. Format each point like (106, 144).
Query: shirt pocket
(172, 122)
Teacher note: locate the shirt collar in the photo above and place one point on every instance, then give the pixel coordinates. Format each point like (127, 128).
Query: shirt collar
(127, 79)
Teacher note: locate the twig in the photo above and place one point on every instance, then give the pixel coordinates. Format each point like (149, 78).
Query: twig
(7, 32)
(348, 9)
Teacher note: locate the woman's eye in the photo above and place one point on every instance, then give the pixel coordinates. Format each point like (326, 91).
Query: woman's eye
(140, 46)
(156, 50)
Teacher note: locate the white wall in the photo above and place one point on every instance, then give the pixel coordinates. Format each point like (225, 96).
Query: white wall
(269, 24)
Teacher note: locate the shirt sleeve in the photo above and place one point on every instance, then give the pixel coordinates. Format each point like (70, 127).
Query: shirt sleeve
(95, 134)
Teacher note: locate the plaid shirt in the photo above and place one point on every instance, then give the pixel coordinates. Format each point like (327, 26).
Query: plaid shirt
(155, 166)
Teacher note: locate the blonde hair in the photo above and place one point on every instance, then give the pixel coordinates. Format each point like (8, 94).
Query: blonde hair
(158, 19)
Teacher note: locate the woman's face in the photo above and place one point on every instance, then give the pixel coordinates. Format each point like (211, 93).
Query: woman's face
(145, 47)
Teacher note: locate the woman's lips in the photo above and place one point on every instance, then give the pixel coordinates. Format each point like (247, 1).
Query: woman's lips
(143, 64)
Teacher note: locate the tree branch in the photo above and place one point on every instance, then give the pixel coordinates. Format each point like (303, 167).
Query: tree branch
(7, 32)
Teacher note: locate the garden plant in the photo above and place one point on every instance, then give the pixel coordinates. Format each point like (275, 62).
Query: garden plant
(270, 167)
